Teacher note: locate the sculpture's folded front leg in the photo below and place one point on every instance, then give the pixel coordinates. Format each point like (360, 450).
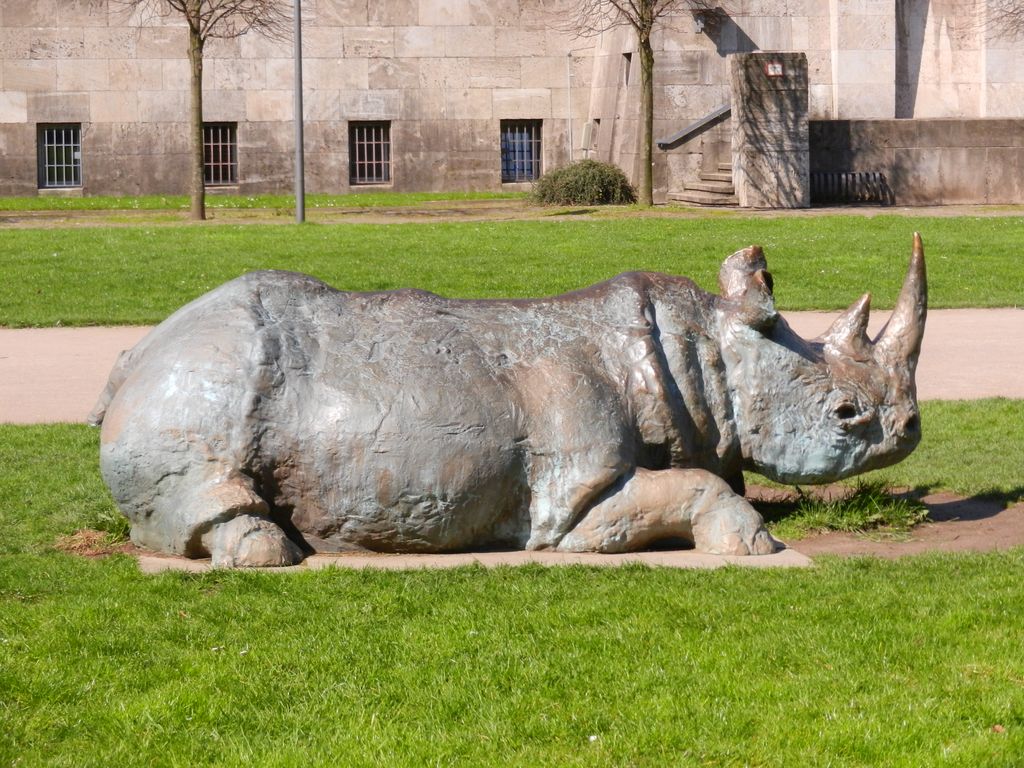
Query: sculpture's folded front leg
(672, 503)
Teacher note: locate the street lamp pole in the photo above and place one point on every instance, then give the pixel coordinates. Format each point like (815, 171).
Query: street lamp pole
(568, 96)
(300, 171)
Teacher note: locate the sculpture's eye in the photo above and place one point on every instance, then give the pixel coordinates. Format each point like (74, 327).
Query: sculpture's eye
(846, 411)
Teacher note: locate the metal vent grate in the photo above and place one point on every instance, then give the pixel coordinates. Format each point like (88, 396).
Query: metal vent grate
(850, 187)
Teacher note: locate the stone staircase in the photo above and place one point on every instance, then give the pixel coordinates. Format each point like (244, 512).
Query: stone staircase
(714, 188)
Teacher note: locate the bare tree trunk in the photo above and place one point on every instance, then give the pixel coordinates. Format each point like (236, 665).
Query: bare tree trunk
(197, 184)
(646, 186)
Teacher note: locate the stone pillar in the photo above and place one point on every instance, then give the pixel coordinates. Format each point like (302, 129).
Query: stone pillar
(770, 147)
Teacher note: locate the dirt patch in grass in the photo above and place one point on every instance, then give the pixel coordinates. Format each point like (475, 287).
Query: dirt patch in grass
(429, 211)
(501, 209)
(88, 542)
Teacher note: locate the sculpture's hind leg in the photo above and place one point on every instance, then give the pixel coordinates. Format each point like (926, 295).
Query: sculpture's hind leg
(240, 533)
(209, 510)
(671, 503)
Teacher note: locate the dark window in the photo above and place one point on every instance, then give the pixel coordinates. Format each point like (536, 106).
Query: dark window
(627, 65)
(520, 150)
(60, 155)
(220, 154)
(369, 153)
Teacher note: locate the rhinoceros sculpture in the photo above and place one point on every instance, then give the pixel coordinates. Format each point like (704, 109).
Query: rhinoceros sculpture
(276, 416)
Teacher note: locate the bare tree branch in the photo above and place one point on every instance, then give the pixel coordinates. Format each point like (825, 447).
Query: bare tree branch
(207, 20)
(1005, 18)
(222, 19)
(589, 18)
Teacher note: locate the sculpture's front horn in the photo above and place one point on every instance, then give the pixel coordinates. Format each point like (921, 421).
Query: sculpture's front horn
(899, 342)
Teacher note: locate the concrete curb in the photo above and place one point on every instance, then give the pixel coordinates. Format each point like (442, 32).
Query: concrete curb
(686, 559)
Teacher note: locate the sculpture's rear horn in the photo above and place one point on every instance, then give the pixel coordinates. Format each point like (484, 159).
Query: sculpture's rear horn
(900, 340)
(848, 333)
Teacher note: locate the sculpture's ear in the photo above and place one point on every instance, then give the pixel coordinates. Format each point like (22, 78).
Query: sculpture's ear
(746, 283)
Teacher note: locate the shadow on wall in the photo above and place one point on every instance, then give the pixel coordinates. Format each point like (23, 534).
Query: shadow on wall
(915, 172)
(911, 20)
(724, 32)
(933, 29)
(789, 162)
(837, 177)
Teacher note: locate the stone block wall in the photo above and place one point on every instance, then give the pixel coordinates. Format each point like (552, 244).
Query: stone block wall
(446, 72)
(443, 73)
(928, 162)
(864, 58)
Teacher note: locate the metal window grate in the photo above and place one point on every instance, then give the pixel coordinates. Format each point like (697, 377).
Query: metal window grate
(220, 154)
(369, 152)
(520, 150)
(851, 187)
(60, 155)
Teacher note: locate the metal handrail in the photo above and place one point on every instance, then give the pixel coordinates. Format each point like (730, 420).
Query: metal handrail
(677, 138)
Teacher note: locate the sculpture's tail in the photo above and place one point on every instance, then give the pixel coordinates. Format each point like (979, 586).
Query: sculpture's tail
(117, 376)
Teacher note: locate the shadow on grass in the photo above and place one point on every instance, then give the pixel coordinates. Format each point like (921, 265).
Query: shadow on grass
(574, 212)
(870, 507)
(981, 506)
(867, 506)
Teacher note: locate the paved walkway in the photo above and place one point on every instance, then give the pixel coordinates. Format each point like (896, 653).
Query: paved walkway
(56, 374)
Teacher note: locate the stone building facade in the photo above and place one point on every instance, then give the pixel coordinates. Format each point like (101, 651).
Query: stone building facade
(454, 94)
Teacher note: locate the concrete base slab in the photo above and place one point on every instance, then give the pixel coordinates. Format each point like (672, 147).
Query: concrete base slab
(787, 558)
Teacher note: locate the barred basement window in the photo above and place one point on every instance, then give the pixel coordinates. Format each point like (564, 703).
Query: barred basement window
(520, 150)
(369, 153)
(220, 154)
(60, 155)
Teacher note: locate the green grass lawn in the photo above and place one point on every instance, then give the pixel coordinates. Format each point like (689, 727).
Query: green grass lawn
(864, 662)
(853, 663)
(139, 275)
